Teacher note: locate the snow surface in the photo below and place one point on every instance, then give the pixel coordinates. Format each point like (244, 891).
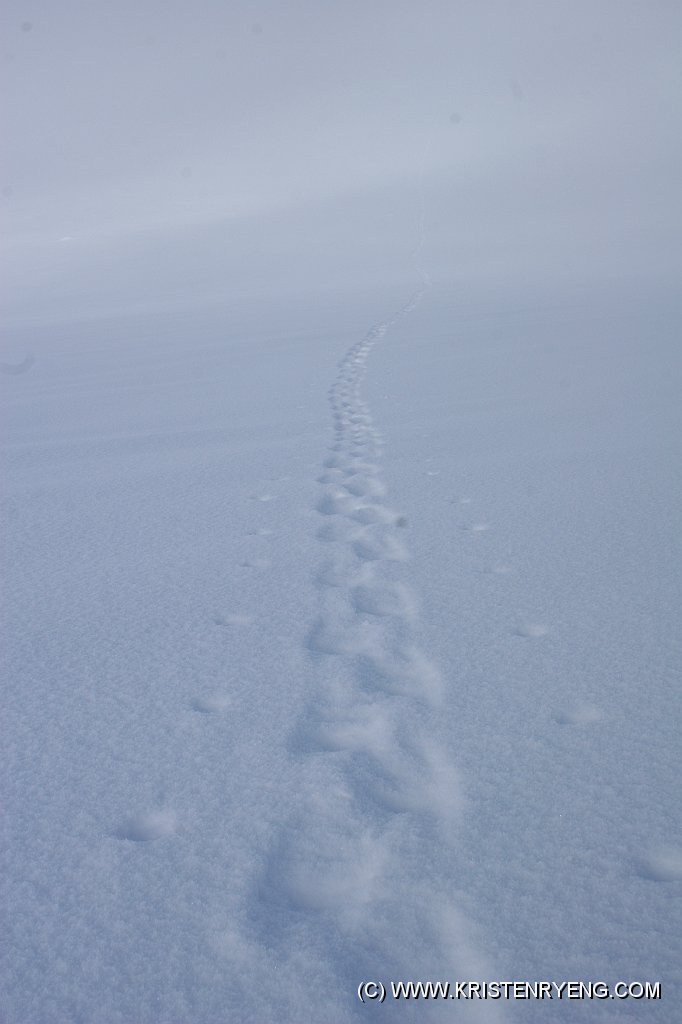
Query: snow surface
(301, 693)
(341, 581)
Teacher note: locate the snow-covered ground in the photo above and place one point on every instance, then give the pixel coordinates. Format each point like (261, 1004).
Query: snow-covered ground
(341, 583)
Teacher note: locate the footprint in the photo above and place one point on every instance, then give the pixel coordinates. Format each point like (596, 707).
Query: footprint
(498, 569)
(334, 530)
(255, 563)
(262, 497)
(328, 638)
(531, 629)
(663, 864)
(476, 527)
(384, 600)
(336, 870)
(423, 783)
(233, 620)
(332, 574)
(333, 502)
(143, 828)
(373, 549)
(364, 486)
(368, 468)
(407, 672)
(213, 704)
(370, 514)
(330, 476)
(366, 729)
(335, 462)
(23, 367)
(365, 448)
(579, 714)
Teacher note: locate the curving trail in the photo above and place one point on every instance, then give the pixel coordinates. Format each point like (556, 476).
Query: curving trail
(365, 871)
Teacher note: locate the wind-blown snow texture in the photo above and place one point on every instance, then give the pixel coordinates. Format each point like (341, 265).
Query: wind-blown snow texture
(287, 708)
(341, 590)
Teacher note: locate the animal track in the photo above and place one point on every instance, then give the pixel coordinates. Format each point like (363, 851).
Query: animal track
(332, 574)
(333, 502)
(579, 714)
(378, 793)
(379, 547)
(233, 620)
(327, 637)
(406, 671)
(255, 562)
(144, 828)
(370, 514)
(663, 864)
(533, 630)
(335, 531)
(212, 704)
(390, 599)
(16, 368)
(364, 486)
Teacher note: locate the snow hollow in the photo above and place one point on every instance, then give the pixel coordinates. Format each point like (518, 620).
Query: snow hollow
(341, 508)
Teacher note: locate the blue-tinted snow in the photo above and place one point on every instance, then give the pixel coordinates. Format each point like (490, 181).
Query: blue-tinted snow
(341, 487)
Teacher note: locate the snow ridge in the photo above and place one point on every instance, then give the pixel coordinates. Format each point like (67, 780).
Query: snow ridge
(363, 872)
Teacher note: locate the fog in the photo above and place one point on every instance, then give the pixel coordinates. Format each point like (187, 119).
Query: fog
(340, 379)
(170, 151)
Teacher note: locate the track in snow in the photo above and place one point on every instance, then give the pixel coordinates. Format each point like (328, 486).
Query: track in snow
(363, 873)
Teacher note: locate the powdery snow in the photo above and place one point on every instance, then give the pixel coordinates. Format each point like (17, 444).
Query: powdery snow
(282, 718)
(340, 496)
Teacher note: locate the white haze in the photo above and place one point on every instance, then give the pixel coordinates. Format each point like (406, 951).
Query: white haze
(548, 131)
(340, 377)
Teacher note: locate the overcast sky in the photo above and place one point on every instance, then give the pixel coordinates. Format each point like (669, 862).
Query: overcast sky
(124, 116)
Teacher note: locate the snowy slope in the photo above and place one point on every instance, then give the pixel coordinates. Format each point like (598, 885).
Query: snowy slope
(545, 531)
(312, 677)
(341, 483)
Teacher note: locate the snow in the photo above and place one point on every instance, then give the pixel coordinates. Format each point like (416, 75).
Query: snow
(341, 556)
(288, 706)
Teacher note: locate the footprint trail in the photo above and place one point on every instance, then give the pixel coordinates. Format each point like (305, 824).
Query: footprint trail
(362, 872)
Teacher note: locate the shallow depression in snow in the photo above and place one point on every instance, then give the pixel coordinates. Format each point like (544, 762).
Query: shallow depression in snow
(144, 828)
